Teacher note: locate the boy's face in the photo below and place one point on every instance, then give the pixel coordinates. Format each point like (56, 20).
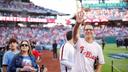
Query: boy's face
(13, 45)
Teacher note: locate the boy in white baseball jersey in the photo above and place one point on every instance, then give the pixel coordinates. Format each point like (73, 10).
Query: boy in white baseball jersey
(67, 54)
(87, 50)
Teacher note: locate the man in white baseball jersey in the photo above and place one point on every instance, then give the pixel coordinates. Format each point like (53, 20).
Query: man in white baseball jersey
(87, 50)
(67, 54)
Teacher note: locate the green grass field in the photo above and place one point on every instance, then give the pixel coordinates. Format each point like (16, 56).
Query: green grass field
(121, 65)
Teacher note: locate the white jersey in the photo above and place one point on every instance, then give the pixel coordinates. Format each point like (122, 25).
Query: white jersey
(67, 57)
(86, 53)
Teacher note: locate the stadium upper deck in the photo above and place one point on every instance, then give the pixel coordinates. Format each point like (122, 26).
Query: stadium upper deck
(18, 6)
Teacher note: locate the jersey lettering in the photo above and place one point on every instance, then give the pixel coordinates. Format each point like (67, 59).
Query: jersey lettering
(87, 54)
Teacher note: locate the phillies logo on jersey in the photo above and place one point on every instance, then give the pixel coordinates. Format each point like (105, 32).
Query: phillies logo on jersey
(87, 54)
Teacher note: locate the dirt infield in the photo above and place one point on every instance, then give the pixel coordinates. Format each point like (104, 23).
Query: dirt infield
(51, 64)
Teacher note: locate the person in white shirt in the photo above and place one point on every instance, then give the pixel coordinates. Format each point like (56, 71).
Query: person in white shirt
(87, 49)
(67, 54)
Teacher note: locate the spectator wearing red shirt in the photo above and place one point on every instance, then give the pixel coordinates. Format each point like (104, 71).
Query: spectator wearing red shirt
(36, 54)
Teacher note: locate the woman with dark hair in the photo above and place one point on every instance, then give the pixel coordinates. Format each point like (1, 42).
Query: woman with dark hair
(24, 61)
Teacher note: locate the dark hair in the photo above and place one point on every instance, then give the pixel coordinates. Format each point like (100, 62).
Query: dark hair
(11, 40)
(69, 35)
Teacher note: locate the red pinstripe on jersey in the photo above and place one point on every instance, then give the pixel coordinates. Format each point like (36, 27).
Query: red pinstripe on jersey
(62, 51)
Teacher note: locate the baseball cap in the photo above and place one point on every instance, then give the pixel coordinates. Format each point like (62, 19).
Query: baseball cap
(88, 27)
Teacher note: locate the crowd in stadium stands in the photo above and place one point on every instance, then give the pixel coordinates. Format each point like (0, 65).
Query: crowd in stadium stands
(116, 14)
(20, 15)
(111, 31)
(43, 36)
(92, 14)
(24, 7)
(46, 36)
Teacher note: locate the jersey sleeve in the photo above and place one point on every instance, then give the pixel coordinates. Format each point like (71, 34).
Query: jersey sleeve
(65, 52)
(5, 59)
(65, 56)
(61, 52)
(100, 55)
